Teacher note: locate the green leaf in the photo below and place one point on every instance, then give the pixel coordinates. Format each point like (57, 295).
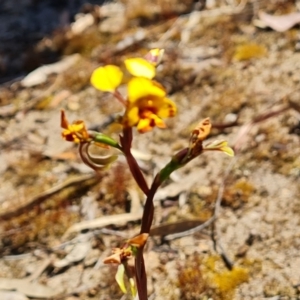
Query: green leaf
(104, 139)
(169, 169)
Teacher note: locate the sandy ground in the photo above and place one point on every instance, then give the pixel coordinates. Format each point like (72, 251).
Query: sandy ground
(219, 63)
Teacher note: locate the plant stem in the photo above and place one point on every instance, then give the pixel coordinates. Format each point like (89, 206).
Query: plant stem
(135, 170)
(118, 95)
(140, 271)
(149, 206)
(140, 274)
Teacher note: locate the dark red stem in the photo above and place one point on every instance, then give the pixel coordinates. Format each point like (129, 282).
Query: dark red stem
(135, 170)
(140, 271)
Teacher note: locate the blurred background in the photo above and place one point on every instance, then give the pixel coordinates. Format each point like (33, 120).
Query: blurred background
(24, 23)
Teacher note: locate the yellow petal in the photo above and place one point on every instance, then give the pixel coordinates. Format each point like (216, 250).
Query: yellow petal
(107, 78)
(144, 125)
(140, 67)
(167, 109)
(227, 150)
(76, 127)
(158, 122)
(220, 145)
(132, 116)
(141, 87)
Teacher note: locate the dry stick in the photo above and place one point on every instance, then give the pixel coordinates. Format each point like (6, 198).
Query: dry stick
(215, 233)
(220, 193)
(268, 114)
(219, 248)
(6, 215)
(216, 210)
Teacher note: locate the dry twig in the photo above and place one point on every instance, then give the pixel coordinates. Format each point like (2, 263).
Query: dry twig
(16, 211)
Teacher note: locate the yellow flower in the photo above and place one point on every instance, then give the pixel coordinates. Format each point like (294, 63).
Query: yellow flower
(107, 78)
(75, 132)
(140, 67)
(147, 105)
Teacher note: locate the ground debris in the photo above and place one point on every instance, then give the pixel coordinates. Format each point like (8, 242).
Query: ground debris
(30, 289)
(219, 63)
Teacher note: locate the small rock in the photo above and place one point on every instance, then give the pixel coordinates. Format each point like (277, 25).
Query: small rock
(10, 295)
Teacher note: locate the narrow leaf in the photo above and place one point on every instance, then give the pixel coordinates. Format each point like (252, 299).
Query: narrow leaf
(120, 278)
(104, 139)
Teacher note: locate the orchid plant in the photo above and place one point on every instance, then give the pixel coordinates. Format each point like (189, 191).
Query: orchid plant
(146, 106)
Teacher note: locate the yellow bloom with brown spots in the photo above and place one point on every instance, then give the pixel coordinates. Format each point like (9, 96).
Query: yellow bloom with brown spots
(75, 132)
(147, 105)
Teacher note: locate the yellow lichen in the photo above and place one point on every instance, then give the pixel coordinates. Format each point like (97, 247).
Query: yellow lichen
(227, 281)
(222, 281)
(238, 193)
(190, 279)
(248, 51)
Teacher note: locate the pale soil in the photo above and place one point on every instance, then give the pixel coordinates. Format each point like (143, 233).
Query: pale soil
(258, 224)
